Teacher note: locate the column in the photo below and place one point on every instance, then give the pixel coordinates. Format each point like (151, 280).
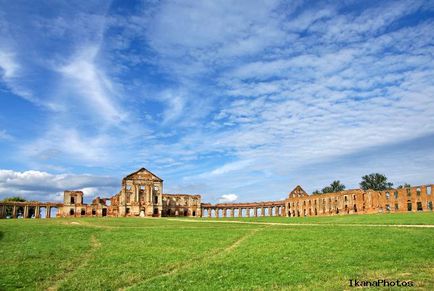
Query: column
(262, 211)
(209, 212)
(2, 211)
(150, 193)
(240, 212)
(48, 212)
(248, 212)
(26, 211)
(232, 212)
(256, 211)
(14, 211)
(224, 212)
(136, 192)
(270, 213)
(37, 212)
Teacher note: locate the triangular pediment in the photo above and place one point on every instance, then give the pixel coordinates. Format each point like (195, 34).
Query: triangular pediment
(298, 192)
(143, 174)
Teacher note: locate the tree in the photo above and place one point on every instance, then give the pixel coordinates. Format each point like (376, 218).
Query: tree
(375, 181)
(14, 199)
(404, 186)
(335, 186)
(316, 192)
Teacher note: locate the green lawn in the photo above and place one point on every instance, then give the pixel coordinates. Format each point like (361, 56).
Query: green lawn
(390, 218)
(153, 254)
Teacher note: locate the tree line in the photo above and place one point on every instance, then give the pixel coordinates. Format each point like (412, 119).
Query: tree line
(374, 181)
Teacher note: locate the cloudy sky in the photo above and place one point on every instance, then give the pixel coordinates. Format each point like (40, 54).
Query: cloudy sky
(231, 99)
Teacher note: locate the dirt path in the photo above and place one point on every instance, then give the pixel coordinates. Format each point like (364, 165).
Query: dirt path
(306, 224)
(212, 255)
(73, 267)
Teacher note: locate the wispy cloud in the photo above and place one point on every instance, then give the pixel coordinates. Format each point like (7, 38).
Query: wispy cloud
(4, 135)
(8, 65)
(92, 85)
(249, 92)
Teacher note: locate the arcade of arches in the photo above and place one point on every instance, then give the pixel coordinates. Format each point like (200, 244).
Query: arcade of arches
(142, 195)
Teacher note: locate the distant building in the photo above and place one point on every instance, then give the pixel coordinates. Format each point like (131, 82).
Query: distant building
(142, 195)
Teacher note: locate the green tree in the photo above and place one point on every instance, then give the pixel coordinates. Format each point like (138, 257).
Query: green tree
(404, 186)
(15, 199)
(335, 186)
(375, 181)
(316, 192)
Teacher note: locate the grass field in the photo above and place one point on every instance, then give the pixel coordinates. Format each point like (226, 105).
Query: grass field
(202, 254)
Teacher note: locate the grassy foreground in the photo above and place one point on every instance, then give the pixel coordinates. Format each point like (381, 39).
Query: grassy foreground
(137, 254)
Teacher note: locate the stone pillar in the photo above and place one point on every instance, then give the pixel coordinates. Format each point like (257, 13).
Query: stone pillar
(256, 212)
(48, 212)
(248, 212)
(224, 212)
(262, 211)
(26, 211)
(240, 212)
(37, 212)
(270, 213)
(209, 212)
(2, 211)
(14, 211)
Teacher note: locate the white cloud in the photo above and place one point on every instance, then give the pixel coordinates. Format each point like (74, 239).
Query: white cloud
(39, 185)
(5, 136)
(92, 85)
(8, 64)
(228, 198)
(231, 167)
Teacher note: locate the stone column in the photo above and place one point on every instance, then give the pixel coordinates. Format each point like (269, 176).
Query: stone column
(26, 211)
(270, 212)
(256, 211)
(224, 212)
(209, 212)
(240, 212)
(262, 211)
(248, 212)
(136, 192)
(231, 212)
(37, 212)
(14, 211)
(48, 212)
(2, 211)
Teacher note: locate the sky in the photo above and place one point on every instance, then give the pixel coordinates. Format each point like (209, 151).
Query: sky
(233, 100)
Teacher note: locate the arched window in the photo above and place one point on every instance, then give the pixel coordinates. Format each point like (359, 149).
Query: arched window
(409, 206)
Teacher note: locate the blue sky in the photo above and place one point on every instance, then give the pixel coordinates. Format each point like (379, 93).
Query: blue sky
(248, 98)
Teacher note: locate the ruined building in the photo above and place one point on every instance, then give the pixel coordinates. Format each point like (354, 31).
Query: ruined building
(141, 194)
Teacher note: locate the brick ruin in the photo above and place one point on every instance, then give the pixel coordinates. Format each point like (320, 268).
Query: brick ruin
(142, 195)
